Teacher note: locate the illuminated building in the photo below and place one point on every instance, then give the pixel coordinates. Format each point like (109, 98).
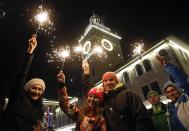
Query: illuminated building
(96, 34)
(144, 73)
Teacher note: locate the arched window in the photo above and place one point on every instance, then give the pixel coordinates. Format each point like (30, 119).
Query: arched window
(147, 65)
(126, 77)
(145, 91)
(155, 86)
(139, 69)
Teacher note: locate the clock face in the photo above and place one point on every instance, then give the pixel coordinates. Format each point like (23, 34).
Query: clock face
(86, 47)
(107, 45)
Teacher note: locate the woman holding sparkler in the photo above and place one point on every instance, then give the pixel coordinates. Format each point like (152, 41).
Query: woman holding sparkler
(24, 110)
(90, 117)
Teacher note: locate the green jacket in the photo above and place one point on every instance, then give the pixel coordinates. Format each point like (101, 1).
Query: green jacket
(159, 117)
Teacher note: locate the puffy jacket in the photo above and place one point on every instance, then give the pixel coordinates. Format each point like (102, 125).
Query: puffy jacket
(124, 111)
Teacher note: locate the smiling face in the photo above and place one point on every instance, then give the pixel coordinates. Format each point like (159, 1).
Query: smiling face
(172, 93)
(36, 92)
(109, 84)
(92, 100)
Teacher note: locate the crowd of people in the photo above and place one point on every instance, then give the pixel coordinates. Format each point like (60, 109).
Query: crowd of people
(110, 107)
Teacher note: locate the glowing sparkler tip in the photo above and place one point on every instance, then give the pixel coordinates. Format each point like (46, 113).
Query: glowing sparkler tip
(64, 53)
(78, 49)
(138, 48)
(42, 17)
(98, 49)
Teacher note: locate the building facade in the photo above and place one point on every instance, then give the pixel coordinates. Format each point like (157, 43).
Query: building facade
(144, 73)
(97, 35)
(139, 75)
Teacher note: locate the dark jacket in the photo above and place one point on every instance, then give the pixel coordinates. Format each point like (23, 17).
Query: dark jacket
(124, 111)
(21, 113)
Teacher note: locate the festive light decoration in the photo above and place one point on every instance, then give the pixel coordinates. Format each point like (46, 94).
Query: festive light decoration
(86, 47)
(107, 45)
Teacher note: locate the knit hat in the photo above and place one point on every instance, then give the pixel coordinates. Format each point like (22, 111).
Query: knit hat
(152, 93)
(98, 92)
(109, 75)
(34, 81)
(169, 83)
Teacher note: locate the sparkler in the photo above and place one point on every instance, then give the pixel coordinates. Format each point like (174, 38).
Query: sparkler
(138, 48)
(78, 52)
(60, 55)
(63, 55)
(97, 50)
(78, 49)
(43, 19)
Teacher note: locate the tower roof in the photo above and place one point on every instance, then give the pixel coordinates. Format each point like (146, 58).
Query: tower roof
(95, 22)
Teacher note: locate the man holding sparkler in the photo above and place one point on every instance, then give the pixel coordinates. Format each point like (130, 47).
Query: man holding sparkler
(123, 110)
(24, 110)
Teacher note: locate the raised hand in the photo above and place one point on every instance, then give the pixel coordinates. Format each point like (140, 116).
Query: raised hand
(32, 43)
(61, 77)
(85, 66)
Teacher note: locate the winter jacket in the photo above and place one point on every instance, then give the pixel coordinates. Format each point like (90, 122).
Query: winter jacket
(179, 77)
(21, 114)
(124, 111)
(179, 110)
(84, 122)
(158, 113)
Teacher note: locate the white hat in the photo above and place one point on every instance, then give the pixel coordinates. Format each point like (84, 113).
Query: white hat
(34, 81)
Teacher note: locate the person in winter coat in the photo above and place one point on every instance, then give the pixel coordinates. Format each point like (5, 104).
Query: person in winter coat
(90, 117)
(158, 111)
(179, 77)
(123, 109)
(24, 110)
(178, 108)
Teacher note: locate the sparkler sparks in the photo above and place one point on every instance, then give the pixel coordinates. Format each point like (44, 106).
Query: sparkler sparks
(138, 48)
(42, 20)
(42, 17)
(59, 55)
(98, 51)
(78, 49)
(63, 54)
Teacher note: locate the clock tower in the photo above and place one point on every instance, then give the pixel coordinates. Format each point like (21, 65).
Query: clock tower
(98, 35)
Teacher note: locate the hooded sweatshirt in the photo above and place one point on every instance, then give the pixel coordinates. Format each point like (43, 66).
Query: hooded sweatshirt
(178, 111)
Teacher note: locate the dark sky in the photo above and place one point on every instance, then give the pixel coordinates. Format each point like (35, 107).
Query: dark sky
(147, 21)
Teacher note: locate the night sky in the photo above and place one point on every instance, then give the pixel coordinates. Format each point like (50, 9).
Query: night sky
(147, 21)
